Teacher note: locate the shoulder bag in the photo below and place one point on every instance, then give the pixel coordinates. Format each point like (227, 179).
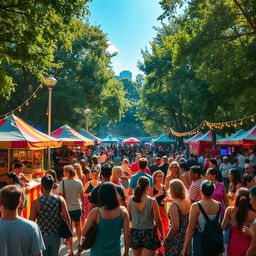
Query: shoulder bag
(64, 230)
(89, 237)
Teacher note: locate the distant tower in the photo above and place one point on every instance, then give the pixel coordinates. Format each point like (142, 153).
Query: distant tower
(125, 74)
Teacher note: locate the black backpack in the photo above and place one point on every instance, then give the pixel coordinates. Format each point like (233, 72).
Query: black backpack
(212, 236)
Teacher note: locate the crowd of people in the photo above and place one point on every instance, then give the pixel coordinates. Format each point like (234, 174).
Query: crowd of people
(165, 205)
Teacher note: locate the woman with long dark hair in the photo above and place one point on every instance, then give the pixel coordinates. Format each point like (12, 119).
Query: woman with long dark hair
(235, 182)
(110, 219)
(145, 220)
(237, 216)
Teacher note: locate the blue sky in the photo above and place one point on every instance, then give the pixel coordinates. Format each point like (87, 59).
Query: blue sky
(129, 26)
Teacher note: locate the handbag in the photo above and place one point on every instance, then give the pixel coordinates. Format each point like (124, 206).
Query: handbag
(89, 237)
(226, 234)
(64, 229)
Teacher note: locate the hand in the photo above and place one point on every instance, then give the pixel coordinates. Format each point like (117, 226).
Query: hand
(160, 193)
(183, 252)
(248, 231)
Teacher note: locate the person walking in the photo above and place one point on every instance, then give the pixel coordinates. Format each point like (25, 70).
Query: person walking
(110, 218)
(197, 221)
(145, 220)
(72, 190)
(178, 215)
(18, 236)
(46, 211)
(237, 216)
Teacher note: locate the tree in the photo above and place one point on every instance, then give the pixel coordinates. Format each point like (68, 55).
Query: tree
(29, 33)
(85, 80)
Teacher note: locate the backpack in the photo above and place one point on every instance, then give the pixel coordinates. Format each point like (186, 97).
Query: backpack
(212, 237)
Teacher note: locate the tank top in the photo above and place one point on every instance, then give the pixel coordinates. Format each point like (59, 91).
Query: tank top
(144, 219)
(104, 243)
(89, 189)
(48, 218)
(159, 198)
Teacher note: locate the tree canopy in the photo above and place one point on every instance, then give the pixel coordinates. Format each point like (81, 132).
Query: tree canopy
(201, 64)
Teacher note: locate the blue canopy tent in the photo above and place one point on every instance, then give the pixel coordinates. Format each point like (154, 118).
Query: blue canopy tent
(110, 139)
(164, 139)
(89, 136)
(233, 136)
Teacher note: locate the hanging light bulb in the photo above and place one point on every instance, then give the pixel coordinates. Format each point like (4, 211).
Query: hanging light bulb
(27, 103)
(241, 123)
(19, 109)
(34, 96)
(252, 119)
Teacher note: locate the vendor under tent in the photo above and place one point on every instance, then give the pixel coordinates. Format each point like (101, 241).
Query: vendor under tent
(196, 136)
(70, 137)
(20, 142)
(89, 136)
(246, 139)
(202, 144)
(224, 141)
(131, 140)
(110, 139)
(164, 139)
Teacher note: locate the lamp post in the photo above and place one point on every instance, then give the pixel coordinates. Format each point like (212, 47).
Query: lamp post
(87, 113)
(50, 82)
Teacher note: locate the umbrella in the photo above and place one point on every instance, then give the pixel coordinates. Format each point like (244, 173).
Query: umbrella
(132, 141)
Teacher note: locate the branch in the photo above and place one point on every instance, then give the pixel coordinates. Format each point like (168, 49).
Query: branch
(245, 15)
(233, 37)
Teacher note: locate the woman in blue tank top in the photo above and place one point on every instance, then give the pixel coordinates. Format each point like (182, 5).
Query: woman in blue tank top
(110, 219)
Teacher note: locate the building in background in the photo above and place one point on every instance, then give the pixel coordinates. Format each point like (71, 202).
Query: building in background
(125, 74)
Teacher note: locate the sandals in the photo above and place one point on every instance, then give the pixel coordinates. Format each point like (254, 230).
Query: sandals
(79, 248)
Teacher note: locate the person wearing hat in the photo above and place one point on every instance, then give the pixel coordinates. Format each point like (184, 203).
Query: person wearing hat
(224, 169)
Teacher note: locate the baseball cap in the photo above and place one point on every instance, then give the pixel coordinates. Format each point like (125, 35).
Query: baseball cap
(225, 157)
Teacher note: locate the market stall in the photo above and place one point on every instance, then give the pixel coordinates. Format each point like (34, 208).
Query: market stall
(164, 139)
(246, 139)
(89, 136)
(202, 143)
(72, 142)
(20, 142)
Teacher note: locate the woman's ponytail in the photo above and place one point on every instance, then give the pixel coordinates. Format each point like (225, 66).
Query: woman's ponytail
(142, 184)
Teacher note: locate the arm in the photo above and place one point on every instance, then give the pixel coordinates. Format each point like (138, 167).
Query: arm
(225, 198)
(157, 217)
(252, 249)
(150, 191)
(81, 195)
(126, 231)
(226, 219)
(194, 212)
(35, 208)
(64, 211)
(92, 218)
(23, 178)
(174, 221)
(86, 187)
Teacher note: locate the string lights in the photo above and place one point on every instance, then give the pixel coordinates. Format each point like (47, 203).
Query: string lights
(25, 103)
(213, 126)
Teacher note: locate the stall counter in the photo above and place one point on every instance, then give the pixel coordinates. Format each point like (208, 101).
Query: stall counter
(33, 192)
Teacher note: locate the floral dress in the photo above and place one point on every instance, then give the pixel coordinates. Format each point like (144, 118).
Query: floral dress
(174, 245)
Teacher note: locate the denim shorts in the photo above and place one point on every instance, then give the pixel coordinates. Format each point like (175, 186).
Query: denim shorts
(75, 215)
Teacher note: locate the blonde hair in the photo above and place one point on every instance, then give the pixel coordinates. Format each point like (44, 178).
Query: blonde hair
(70, 170)
(156, 173)
(171, 164)
(177, 189)
(78, 169)
(115, 171)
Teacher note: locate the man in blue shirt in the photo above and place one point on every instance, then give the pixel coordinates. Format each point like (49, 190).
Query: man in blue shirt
(143, 162)
(18, 236)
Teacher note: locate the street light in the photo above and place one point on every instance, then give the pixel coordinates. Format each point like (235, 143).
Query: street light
(87, 113)
(50, 82)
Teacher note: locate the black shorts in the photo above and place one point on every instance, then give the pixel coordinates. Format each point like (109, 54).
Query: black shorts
(75, 215)
(144, 238)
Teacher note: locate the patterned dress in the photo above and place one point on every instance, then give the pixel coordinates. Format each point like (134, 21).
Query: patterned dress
(174, 246)
(48, 218)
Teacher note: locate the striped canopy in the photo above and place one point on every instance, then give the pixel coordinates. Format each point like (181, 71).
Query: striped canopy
(89, 136)
(17, 134)
(198, 135)
(227, 140)
(207, 137)
(70, 137)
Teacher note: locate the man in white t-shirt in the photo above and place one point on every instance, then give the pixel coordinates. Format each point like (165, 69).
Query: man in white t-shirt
(241, 159)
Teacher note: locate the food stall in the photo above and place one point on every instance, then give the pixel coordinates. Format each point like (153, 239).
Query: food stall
(20, 142)
(202, 143)
(71, 141)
